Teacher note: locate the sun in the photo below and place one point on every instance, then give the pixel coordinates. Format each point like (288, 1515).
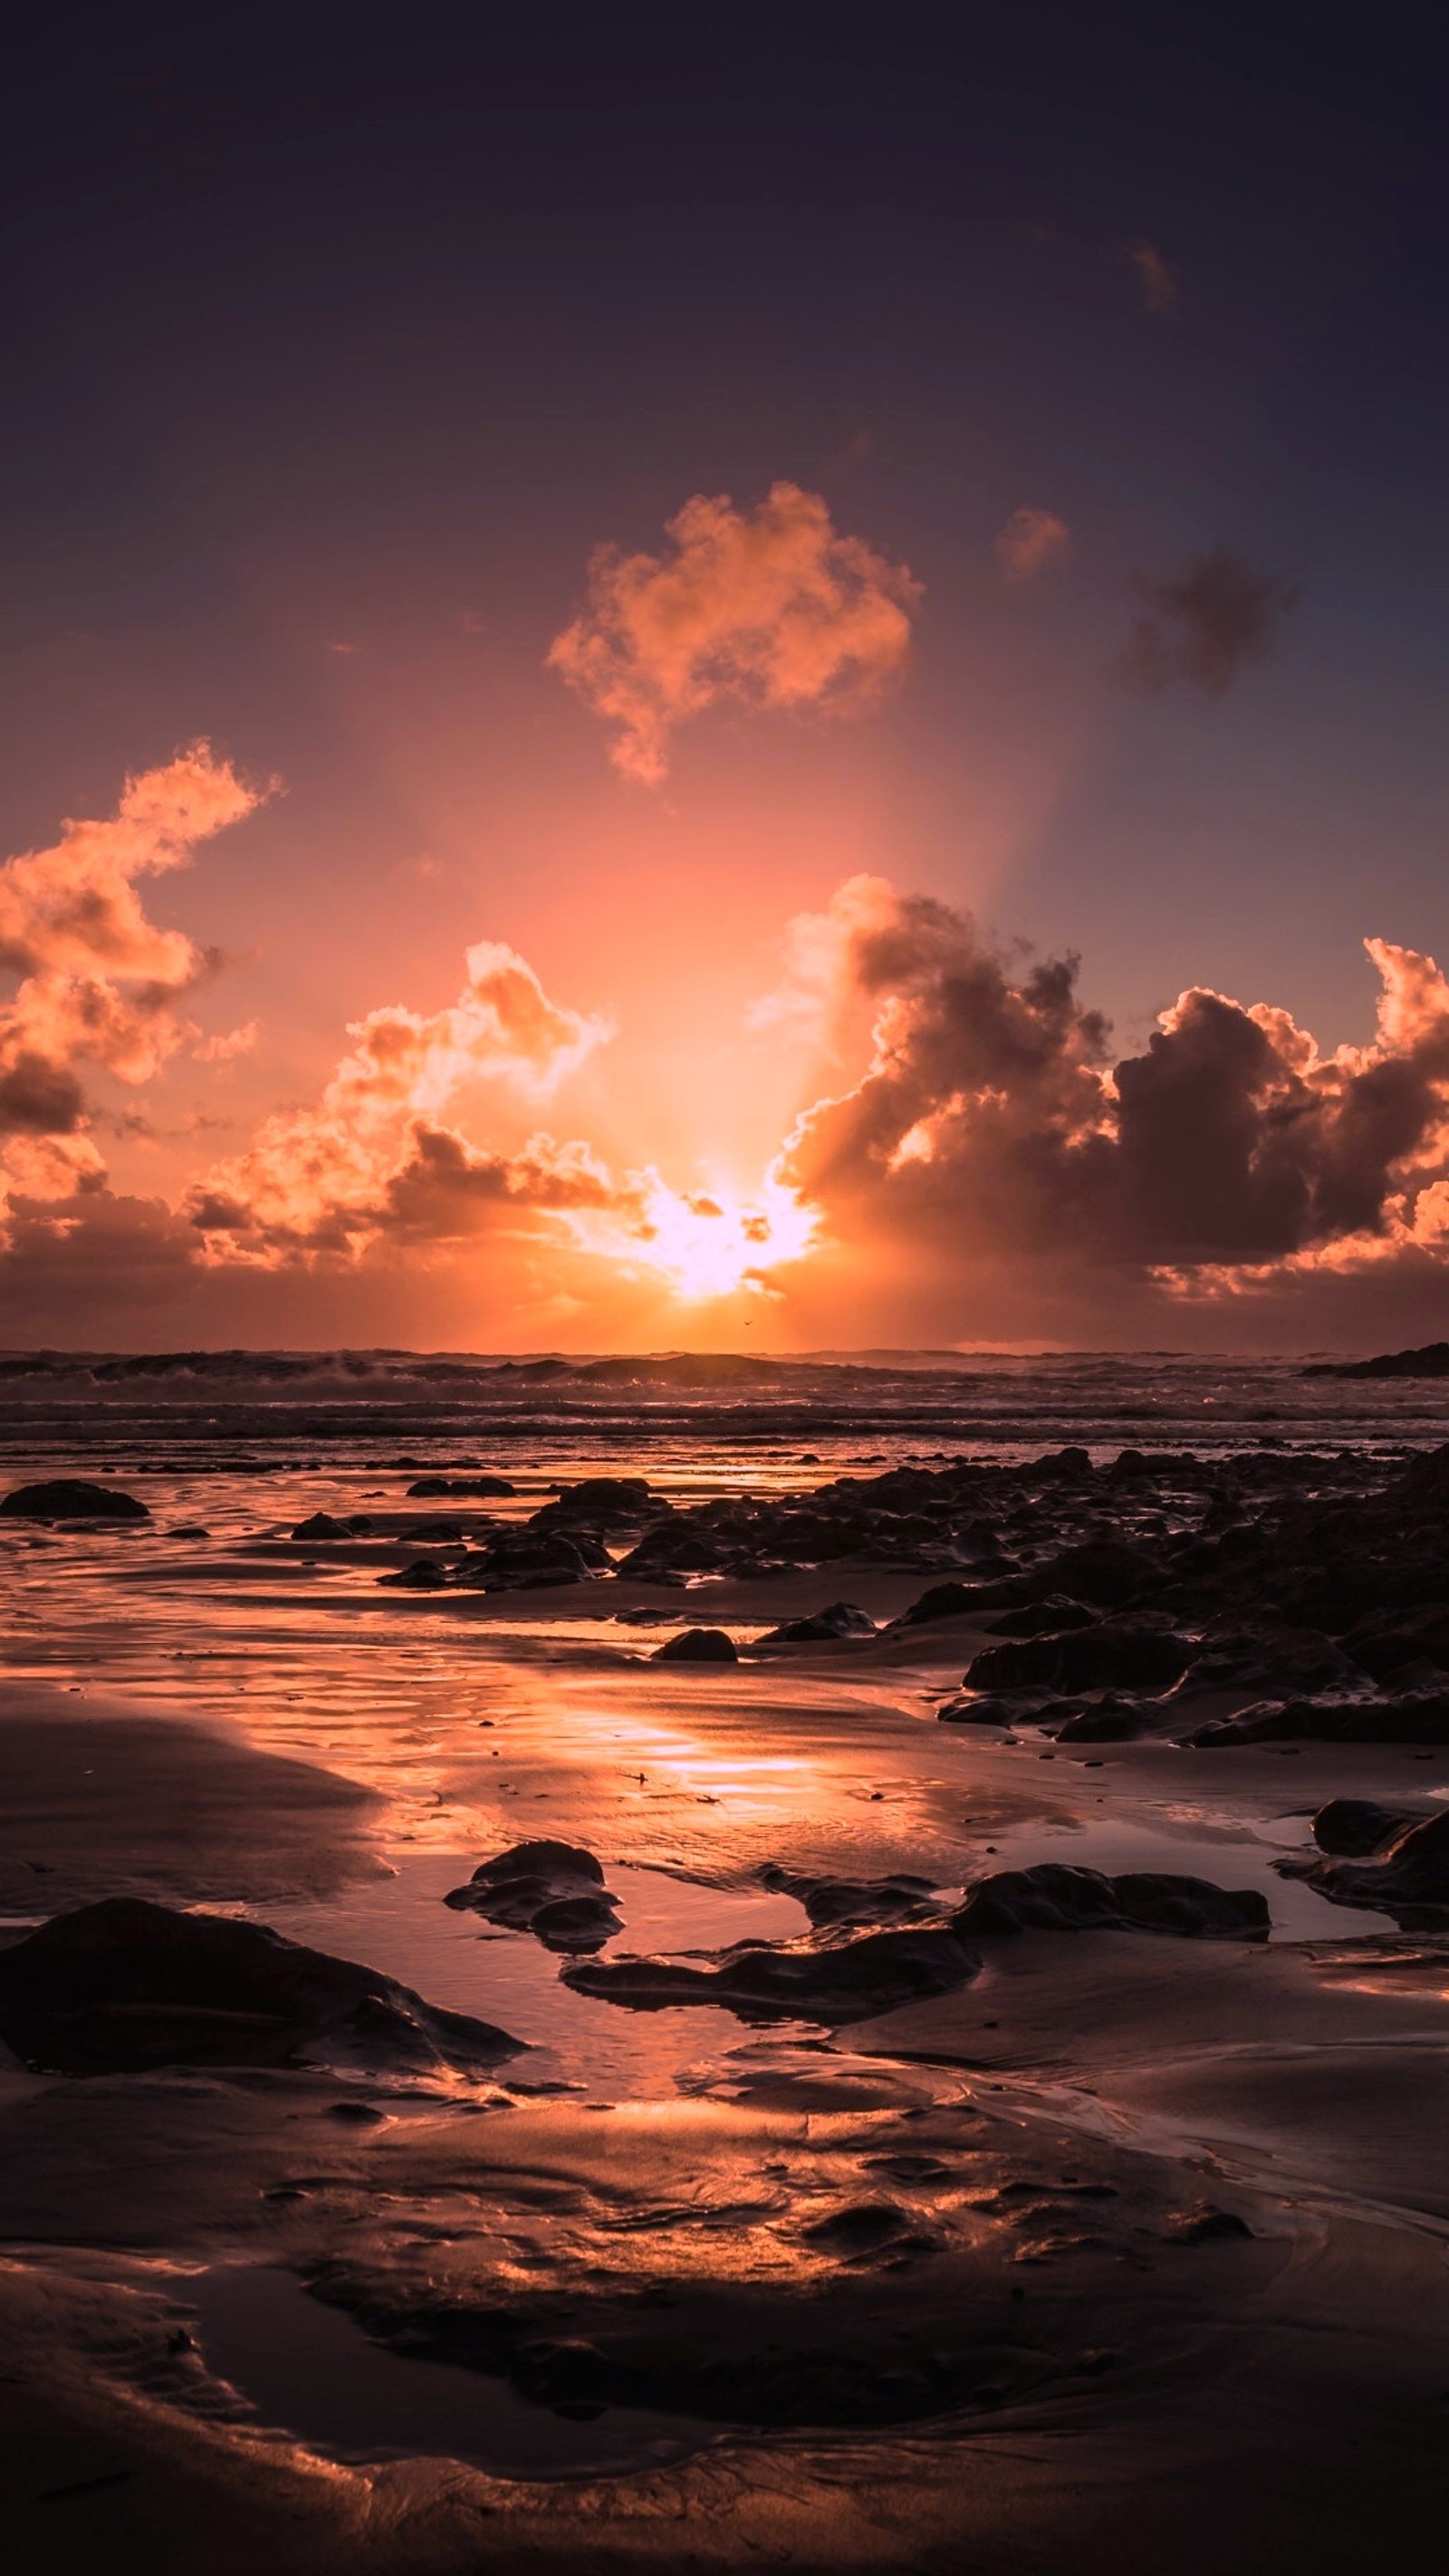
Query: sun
(705, 1244)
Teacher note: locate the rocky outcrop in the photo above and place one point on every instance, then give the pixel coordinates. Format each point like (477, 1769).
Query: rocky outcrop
(67, 1498)
(697, 1646)
(554, 1890)
(123, 1986)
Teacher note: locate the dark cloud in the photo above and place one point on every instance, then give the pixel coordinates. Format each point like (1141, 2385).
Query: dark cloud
(991, 1126)
(1208, 621)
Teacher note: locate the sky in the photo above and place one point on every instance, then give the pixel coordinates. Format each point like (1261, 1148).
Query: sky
(774, 683)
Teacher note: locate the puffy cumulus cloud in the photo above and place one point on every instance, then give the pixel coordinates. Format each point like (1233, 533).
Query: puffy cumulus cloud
(770, 605)
(1207, 622)
(991, 1127)
(1031, 542)
(96, 982)
(372, 1158)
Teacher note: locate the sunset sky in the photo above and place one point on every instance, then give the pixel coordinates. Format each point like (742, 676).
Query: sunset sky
(612, 603)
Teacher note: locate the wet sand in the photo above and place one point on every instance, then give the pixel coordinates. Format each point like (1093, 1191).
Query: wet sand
(1125, 2252)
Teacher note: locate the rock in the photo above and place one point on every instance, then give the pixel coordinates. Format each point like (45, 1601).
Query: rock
(841, 1619)
(1140, 1651)
(1351, 1828)
(988, 1708)
(322, 1525)
(68, 1499)
(530, 1560)
(1266, 1657)
(598, 1502)
(439, 1489)
(1109, 1720)
(1205, 2224)
(1049, 1617)
(439, 1533)
(123, 1986)
(1109, 1573)
(1412, 1717)
(897, 1899)
(1054, 1897)
(1386, 1643)
(697, 1646)
(831, 1977)
(553, 1889)
(425, 1574)
(1406, 1873)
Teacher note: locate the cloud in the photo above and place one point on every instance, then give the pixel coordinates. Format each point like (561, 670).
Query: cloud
(1160, 291)
(97, 982)
(770, 606)
(1031, 542)
(371, 1156)
(991, 1126)
(1210, 620)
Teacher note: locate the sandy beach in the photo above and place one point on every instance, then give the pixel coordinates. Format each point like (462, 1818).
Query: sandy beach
(861, 2126)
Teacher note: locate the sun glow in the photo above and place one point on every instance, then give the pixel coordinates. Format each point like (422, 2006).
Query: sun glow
(704, 1243)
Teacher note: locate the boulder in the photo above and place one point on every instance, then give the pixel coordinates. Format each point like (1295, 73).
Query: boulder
(123, 1986)
(1139, 1651)
(832, 1977)
(1054, 1897)
(553, 1889)
(900, 1898)
(1405, 1874)
(819, 1627)
(66, 1498)
(697, 1646)
(322, 1525)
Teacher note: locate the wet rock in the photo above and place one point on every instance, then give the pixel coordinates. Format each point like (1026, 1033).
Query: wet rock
(993, 1708)
(439, 1533)
(439, 1489)
(957, 1601)
(1109, 1720)
(833, 1977)
(67, 1498)
(1111, 1574)
(1411, 1717)
(323, 1525)
(1386, 1643)
(1139, 1651)
(1351, 1828)
(425, 1574)
(1406, 1874)
(555, 1890)
(697, 1646)
(597, 1502)
(1266, 1657)
(1054, 1897)
(896, 1899)
(125, 1985)
(1049, 1617)
(530, 1560)
(818, 1627)
(1206, 2224)
(867, 2229)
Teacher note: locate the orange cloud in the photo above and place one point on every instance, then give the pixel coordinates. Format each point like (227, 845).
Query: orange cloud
(371, 1157)
(1031, 542)
(97, 982)
(770, 606)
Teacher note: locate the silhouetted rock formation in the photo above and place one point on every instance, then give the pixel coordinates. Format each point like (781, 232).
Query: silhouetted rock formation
(555, 1890)
(125, 1985)
(66, 1498)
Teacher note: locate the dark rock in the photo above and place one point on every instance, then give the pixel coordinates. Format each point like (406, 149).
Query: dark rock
(1432, 1360)
(841, 1619)
(697, 1646)
(1111, 1574)
(597, 1502)
(1412, 1717)
(901, 1898)
(122, 1986)
(950, 1601)
(65, 1498)
(555, 1890)
(440, 1533)
(1206, 2224)
(322, 1525)
(1386, 1642)
(1046, 1618)
(1140, 1651)
(1266, 1657)
(530, 1560)
(832, 1977)
(440, 1489)
(1351, 1828)
(1407, 1874)
(988, 1708)
(425, 1574)
(1109, 1720)
(1054, 1897)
